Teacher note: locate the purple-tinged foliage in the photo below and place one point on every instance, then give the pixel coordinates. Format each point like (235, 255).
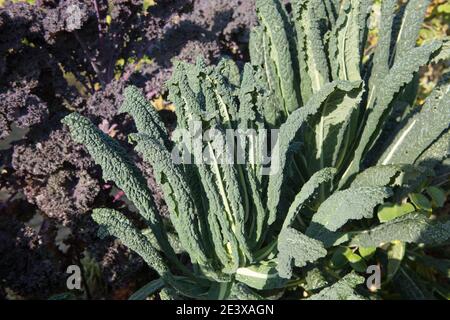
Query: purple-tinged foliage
(59, 56)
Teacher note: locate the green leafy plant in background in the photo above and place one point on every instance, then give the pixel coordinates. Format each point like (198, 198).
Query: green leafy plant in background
(437, 21)
(354, 176)
(436, 25)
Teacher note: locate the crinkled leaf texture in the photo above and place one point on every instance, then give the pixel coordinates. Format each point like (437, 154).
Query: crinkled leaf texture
(342, 206)
(297, 249)
(344, 289)
(412, 228)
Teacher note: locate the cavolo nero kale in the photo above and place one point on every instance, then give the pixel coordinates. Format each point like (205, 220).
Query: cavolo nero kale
(351, 142)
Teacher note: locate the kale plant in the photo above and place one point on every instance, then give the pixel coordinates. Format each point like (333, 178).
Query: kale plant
(350, 142)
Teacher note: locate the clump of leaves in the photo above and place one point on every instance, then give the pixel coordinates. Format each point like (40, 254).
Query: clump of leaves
(350, 140)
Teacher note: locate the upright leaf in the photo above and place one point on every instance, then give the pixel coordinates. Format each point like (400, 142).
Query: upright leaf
(333, 127)
(272, 17)
(345, 42)
(183, 211)
(308, 191)
(422, 129)
(311, 43)
(144, 114)
(409, 30)
(400, 74)
(382, 51)
(117, 167)
(297, 121)
(299, 9)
